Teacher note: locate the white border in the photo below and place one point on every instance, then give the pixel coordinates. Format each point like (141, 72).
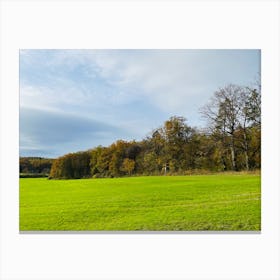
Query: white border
(157, 24)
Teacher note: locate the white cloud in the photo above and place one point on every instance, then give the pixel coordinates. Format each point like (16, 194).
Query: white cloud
(166, 78)
(55, 98)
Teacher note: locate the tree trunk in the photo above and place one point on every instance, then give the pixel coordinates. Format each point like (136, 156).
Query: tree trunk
(246, 160)
(246, 150)
(233, 158)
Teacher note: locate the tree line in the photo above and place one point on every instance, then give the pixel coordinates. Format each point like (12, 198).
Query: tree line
(35, 166)
(231, 142)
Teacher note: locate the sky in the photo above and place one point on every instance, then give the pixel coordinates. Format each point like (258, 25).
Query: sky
(74, 100)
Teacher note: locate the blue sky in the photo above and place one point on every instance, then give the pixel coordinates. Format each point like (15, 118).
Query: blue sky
(73, 100)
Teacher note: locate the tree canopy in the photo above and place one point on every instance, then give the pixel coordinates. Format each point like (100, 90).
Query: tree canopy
(32, 166)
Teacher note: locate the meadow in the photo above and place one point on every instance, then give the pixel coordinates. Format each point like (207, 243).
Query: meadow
(221, 202)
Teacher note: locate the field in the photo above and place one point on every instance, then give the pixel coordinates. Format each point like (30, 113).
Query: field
(167, 203)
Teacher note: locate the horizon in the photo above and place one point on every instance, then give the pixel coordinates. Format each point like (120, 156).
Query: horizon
(75, 100)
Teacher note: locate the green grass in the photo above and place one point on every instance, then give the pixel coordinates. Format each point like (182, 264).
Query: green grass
(212, 202)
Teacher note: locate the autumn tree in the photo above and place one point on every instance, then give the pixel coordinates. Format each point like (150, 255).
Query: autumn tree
(176, 134)
(128, 165)
(71, 166)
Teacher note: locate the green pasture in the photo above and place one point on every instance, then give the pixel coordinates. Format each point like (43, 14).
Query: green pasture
(166, 203)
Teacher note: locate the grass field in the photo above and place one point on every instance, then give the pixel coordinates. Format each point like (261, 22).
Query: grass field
(167, 203)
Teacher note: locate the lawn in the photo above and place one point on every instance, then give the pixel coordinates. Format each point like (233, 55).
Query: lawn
(166, 203)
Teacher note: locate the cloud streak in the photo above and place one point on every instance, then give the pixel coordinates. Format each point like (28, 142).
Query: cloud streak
(57, 133)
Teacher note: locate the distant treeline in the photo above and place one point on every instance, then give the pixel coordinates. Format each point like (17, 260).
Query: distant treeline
(232, 141)
(34, 167)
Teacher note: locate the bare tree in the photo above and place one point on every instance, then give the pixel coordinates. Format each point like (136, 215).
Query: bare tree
(222, 113)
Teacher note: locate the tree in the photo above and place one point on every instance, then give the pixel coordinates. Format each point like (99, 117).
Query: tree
(223, 112)
(254, 105)
(128, 165)
(72, 166)
(176, 134)
(36, 165)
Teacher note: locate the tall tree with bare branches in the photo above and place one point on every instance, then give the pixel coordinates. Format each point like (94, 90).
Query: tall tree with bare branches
(222, 113)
